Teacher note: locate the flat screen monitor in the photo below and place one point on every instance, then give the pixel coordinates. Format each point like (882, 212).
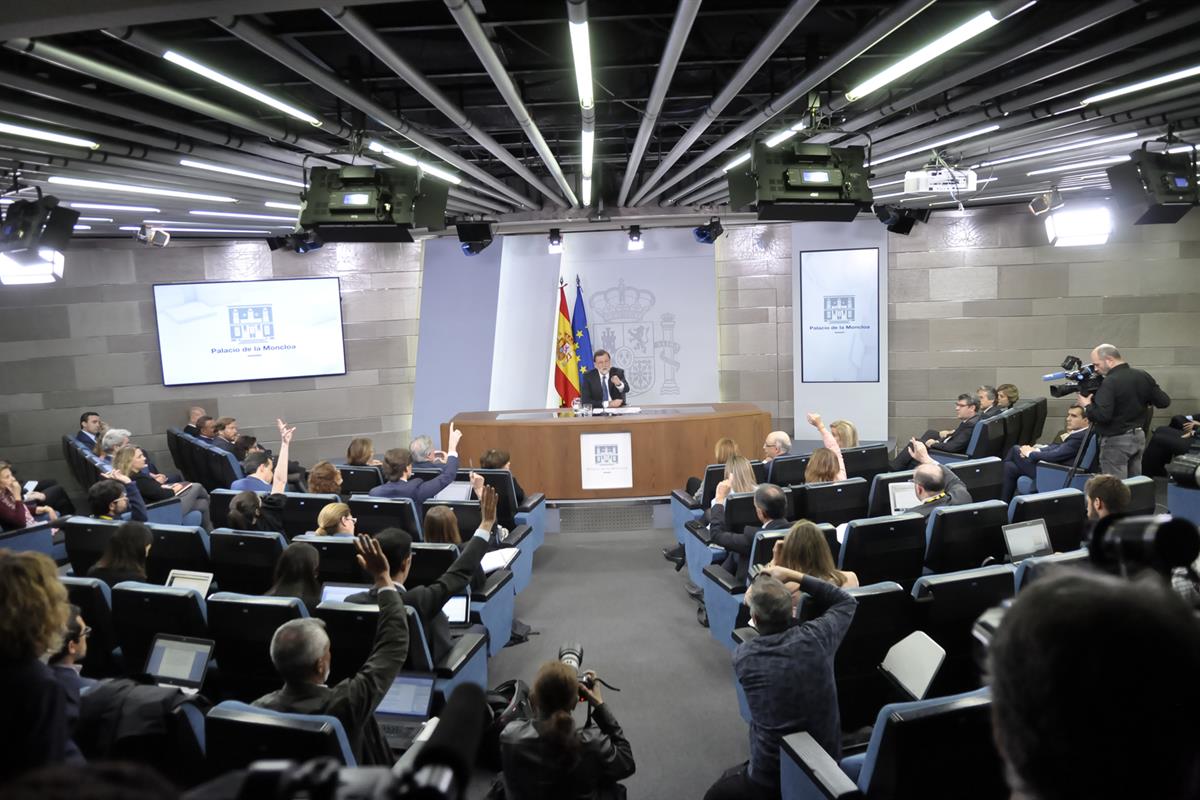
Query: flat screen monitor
(221, 331)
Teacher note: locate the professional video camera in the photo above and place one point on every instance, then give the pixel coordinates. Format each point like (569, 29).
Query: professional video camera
(1084, 379)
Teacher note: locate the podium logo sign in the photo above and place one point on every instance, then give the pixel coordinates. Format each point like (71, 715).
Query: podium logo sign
(606, 460)
(638, 345)
(606, 455)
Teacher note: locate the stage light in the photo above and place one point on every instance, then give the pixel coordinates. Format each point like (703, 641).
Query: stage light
(46, 268)
(241, 173)
(635, 238)
(708, 234)
(238, 86)
(1079, 226)
(134, 189)
(555, 240)
(46, 136)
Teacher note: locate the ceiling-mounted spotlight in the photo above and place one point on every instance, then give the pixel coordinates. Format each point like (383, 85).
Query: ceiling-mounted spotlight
(1079, 226)
(635, 238)
(300, 242)
(475, 237)
(1045, 203)
(555, 242)
(32, 238)
(901, 220)
(707, 234)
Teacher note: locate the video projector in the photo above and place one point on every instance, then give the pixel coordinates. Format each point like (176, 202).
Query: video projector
(369, 204)
(801, 183)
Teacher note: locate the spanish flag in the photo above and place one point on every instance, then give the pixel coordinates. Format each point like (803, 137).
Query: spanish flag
(566, 359)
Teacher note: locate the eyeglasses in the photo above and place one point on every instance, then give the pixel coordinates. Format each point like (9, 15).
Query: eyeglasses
(962, 405)
(86, 632)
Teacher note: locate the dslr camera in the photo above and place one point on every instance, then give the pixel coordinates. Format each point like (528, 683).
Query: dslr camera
(571, 654)
(1082, 378)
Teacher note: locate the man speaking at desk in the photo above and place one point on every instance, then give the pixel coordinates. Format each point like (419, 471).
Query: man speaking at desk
(604, 386)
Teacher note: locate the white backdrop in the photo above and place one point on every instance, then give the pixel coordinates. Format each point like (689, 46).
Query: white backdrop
(654, 309)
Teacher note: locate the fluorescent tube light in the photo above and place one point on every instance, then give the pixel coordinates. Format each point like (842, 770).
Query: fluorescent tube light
(110, 207)
(194, 230)
(241, 173)
(1170, 77)
(133, 189)
(588, 149)
(95, 219)
(238, 86)
(585, 191)
(963, 33)
(283, 206)
(743, 158)
(82, 227)
(1078, 226)
(200, 223)
(405, 158)
(958, 137)
(780, 137)
(1059, 149)
(1096, 162)
(885, 183)
(238, 215)
(581, 49)
(46, 136)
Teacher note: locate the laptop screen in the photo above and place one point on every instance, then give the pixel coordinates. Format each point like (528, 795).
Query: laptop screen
(411, 695)
(458, 609)
(903, 496)
(338, 592)
(1027, 539)
(178, 661)
(913, 662)
(200, 581)
(459, 490)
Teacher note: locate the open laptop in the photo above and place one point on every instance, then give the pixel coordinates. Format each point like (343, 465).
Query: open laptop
(1026, 539)
(912, 663)
(459, 490)
(903, 496)
(458, 610)
(404, 710)
(179, 661)
(338, 592)
(200, 581)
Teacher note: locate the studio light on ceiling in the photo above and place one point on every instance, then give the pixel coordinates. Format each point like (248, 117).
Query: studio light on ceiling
(135, 189)
(635, 238)
(554, 243)
(238, 86)
(47, 268)
(709, 233)
(1076, 227)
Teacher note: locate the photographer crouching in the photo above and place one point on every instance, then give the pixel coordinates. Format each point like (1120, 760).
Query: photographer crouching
(548, 756)
(1117, 411)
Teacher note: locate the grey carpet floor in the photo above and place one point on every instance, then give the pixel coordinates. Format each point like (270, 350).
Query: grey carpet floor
(613, 593)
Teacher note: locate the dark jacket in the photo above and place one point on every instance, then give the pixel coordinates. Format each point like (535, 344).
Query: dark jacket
(224, 444)
(1062, 453)
(991, 412)
(533, 771)
(152, 491)
(114, 576)
(591, 393)
(1119, 405)
(737, 542)
(418, 489)
(191, 430)
(353, 701)
(35, 730)
(955, 494)
(85, 439)
(428, 600)
(958, 440)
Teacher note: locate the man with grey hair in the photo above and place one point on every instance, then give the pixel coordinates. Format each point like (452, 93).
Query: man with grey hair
(301, 654)
(777, 444)
(770, 506)
(1117, 411)
(423, 451)
(987, 401)
(112, 441)
(194, 414)
(786, 673)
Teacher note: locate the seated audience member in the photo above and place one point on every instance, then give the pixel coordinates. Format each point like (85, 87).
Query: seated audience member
(424, 453)
(125, 555)
(499, 459)
(428, 600)
(33, 616)
(775, 445)
(966, 408)
(1167, 442)
(335, 520)
(786, 673)
(844, 431)
(297, 574)
(131, 461)
(1023, 459)
(194, 414)
(89, 429)
(1062, 647)
(116, 494)
(805, 551)
(723, 451)
(112, 441)
(17, 512)
(227, 433)
(397, 472)
(770, 506)
(740, 474)
(935, 484)
(547, 756)
(1007, 395)
(441, 526)
(1106, 495)
(206, 429)
(825, 463)
(988, 406)
(259, 470)
(361, 453)
(324, 478)
(248, 511)
(245, 445)
(67, 663)
(301, 654)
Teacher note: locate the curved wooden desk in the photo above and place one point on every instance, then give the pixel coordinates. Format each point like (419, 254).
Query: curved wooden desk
(670, 442)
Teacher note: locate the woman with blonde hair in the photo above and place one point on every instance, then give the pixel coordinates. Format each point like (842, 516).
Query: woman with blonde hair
(804, 551)
(1007, 395)
(324, 478)
(33, 619)
(825, 463)
(361, 453)
(335, 520)
(740, 474)
(845, 433)
(131, 460)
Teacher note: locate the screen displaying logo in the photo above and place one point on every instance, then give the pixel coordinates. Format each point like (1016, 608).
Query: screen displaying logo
(251, 323)
(606, 455)
(839, 308)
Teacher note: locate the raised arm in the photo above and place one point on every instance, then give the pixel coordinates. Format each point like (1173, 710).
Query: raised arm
(830, 442)
(368, 686)
(279, 477)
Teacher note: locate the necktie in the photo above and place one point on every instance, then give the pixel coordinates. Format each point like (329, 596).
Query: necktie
(604, 384)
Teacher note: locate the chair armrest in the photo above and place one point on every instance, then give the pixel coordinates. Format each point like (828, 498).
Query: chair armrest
(741, 635)
(495, 582)
(464, 648)
(722, 578)
(947, 458)
(165, 512)
(532, 501)
(698, 529)
(818, 766)
(684, 498)
(516, 536)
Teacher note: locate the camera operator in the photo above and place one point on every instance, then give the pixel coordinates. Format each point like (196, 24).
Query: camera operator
(548, 757)
(1118, 409)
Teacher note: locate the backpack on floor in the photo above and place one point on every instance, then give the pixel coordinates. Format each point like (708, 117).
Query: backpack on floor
(507, 702)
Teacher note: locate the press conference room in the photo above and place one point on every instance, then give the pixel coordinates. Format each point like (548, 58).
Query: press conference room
(468, 399)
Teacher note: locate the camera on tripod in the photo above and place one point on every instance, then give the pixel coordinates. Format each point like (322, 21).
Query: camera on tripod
(1083, 378)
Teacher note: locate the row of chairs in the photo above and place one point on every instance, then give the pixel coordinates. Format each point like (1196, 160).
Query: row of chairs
(1022, 424)
(83, 464)
(201, 462)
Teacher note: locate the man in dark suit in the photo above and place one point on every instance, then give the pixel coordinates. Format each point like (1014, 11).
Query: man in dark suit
(206, 429)
(301, 654)
(428, 600)
(770, 506)
(1169, 441)
(65, 663)
(89, 429)
(398, 468)
(934, 484)
(1022, 459)
(194, 414)
(966, 409)
(227, 434)
(604, 386)
(988, 407)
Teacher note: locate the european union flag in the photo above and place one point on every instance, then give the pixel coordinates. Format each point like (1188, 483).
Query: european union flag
(583, 337)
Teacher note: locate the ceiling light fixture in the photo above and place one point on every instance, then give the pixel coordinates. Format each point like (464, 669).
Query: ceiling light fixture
(1077, 227)
(238, 86)
(406, 159)
(81, 227)
(1170, 77)
(46, 136)
(1052, 150)
(238, 215)
(786, 134)
(635, 238)
(110, 207)
(554, 242)
(283, 206)
(958, 137)
(201, 223)
(241, 173)
(743, 158)
(196, 230)
(585, 191)
(46, 269)
(963, 33)
(134, 189)
(95, 219)
(1096, 162)
(582, 51)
